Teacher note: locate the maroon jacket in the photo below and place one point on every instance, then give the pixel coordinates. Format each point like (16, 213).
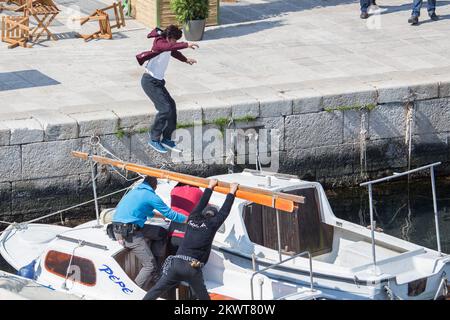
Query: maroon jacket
(161, 44)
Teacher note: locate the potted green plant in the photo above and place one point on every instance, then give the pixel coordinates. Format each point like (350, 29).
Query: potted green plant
(192, 15)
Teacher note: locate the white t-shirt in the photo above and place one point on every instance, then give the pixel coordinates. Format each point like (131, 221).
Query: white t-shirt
(157, 66)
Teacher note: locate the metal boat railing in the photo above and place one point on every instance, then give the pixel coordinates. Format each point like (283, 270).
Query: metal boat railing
(394, 176)
(277, 264)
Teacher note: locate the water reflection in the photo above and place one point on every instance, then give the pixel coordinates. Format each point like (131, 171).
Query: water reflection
(400, 209)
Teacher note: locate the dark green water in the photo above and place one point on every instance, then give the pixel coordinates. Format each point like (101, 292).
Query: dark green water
(400, 209)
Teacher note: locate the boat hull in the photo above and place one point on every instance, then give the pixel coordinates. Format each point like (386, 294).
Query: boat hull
(333, 286)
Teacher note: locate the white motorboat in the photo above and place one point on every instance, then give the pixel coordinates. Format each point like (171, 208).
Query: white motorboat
(259, 253)
(13, 287)
(84, 261)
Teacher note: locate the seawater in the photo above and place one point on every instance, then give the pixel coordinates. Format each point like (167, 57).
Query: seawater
(401, 209)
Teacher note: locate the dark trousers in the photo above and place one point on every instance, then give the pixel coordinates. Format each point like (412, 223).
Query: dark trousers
(365, 5)
(417, 4)
(180, 270)
(166, 119)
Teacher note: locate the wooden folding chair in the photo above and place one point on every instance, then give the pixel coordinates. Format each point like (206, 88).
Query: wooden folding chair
(17, 2)
(20, 5)
(44, 11)
(8, 7)
(105, 26)
(104, 31)
(15, 31)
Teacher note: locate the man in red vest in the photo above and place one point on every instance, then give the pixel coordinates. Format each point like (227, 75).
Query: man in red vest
(183, 199)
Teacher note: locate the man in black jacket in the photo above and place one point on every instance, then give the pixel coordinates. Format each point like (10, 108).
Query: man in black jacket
(186, 265)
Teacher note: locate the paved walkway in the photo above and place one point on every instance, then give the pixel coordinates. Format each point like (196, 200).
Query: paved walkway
(280, 44)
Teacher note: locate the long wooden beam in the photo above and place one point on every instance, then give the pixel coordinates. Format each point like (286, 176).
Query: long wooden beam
(278, 200)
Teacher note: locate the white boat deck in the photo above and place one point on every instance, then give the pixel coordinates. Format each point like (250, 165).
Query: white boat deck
(359, 253)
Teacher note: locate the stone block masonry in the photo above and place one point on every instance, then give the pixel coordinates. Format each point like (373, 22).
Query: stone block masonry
(334, 135)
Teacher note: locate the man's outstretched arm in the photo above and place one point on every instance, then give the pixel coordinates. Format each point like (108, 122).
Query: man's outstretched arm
(226, 207)
(167, 212)
(205, 197)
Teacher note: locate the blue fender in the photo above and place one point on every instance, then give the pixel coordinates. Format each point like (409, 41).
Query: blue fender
(27, 271)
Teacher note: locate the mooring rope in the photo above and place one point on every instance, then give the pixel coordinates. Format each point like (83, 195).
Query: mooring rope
(94, 142)
(66, 209)
(75, 206)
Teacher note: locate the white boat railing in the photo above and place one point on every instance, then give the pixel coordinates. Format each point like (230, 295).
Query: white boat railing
(277, 264)
(394, 176)
(82, 243)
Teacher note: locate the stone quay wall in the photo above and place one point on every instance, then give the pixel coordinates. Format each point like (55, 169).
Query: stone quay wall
(341, 134)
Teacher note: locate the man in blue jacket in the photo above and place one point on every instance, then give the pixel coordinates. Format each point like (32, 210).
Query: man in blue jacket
(131, 231)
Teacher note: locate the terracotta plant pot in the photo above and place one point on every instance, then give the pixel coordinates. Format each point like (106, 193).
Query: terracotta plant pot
(193, 30)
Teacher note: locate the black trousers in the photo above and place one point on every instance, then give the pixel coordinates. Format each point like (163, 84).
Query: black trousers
(180, 270)
(166, 119)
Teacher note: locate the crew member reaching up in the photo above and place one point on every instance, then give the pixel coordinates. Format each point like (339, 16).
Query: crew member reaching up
(193, 254)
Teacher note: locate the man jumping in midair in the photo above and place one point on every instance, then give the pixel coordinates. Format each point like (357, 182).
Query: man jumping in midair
(153, 83)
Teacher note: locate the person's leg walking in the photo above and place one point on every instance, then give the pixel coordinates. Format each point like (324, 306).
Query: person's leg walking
(431, 6)
(364, 4)
(417, 4)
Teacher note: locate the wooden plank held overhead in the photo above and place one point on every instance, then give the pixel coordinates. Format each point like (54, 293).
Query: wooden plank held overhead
(282, 201)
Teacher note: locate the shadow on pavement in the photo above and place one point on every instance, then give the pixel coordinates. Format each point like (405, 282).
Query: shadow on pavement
(425, 19)
(24, 79)
(408, 7)
(240, 30)
(246, 12)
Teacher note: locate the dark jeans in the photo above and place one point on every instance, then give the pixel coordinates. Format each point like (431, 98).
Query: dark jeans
(138, 245)
(180, 270)
(364, 5)
(417, 4)
(166, 118)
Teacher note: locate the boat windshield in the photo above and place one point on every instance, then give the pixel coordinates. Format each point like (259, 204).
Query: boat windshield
(300, 230)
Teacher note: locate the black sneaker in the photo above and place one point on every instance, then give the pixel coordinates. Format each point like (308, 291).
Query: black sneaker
(413, 20)
(364, 15)
(434, 17)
